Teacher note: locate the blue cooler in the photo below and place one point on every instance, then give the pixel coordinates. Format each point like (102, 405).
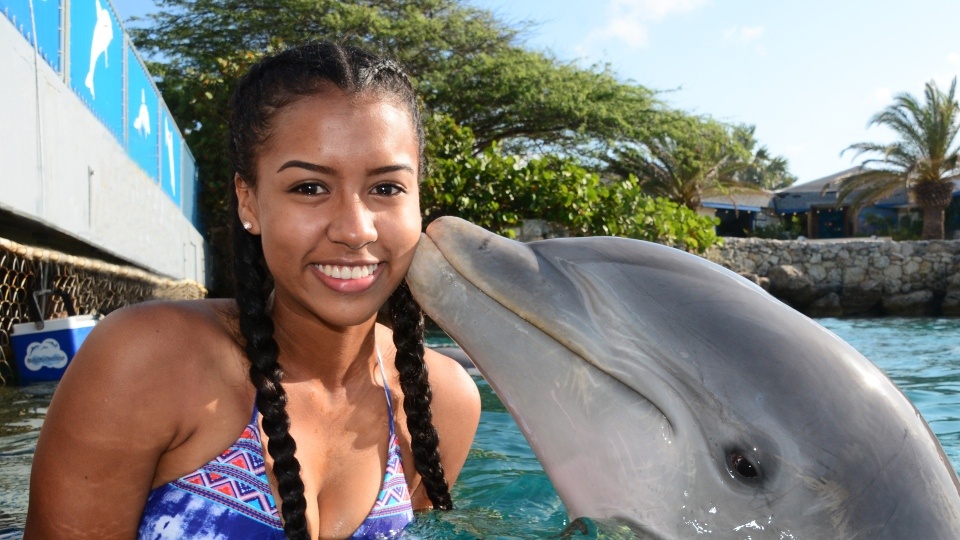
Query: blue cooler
(43, 355)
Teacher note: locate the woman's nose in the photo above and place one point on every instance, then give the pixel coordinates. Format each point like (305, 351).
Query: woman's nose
(352, 224)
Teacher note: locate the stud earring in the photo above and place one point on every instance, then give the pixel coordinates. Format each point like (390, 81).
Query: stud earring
(247, 225)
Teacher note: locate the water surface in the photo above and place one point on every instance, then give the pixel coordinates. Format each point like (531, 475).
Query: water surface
(502, 491)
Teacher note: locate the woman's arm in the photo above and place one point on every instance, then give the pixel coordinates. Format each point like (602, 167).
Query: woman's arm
(111, 418)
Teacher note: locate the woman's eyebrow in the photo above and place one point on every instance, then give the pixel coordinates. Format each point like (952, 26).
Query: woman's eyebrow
(323, 169)
(390, 168)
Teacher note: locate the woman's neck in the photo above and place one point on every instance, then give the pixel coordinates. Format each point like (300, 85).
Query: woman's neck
(311, 349)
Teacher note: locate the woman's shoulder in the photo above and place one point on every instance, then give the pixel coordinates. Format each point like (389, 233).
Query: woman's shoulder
(163, 316)
(166, 323)
(455, 403)
(449, 380)
(158, 341)
(136, 390)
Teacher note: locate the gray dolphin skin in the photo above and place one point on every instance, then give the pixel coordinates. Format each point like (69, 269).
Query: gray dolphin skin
(663, 391)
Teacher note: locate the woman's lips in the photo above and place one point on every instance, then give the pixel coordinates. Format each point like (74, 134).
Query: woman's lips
(347, 278)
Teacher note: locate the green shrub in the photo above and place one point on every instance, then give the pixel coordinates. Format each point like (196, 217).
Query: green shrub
(498, 192)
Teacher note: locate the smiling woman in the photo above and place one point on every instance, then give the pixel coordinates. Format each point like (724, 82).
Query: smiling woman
(159, 425)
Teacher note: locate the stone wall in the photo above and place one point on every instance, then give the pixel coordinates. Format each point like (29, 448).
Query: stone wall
(855, 277)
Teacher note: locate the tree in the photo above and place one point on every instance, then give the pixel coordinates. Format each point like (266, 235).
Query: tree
(530, 101)
(694, 158)
(923, 160)
(465, 62)
(763, 169)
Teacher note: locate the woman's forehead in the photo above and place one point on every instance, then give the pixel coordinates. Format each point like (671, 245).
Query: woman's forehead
(340, 126)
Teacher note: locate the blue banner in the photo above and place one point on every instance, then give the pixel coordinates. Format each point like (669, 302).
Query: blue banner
(189, 183)
(143, 113)
(171, 167)
(46, 16)
(96, 60)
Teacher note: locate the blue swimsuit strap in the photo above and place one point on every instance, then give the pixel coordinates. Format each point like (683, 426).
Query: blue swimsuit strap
(386, 389)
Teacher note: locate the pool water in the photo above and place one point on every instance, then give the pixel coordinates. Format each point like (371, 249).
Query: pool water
(502, 491)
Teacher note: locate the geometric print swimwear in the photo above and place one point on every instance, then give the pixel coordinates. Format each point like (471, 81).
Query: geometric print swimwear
(230, 497)
(225, 499)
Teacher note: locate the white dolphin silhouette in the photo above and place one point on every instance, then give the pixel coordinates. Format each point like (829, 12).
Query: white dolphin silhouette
(168, 139)
(102, 36)
(142, 122)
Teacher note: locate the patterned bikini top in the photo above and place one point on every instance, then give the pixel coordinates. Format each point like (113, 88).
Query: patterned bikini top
(230, 497)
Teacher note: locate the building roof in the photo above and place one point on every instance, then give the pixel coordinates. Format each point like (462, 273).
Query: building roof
(823, 192)
(752, 201)
(819, 192)
(816, 186)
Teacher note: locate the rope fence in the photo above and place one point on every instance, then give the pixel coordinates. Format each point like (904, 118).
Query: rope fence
(91, 286)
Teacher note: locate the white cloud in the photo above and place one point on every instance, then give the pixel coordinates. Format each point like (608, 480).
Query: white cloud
(743, 34)
(630, 31)
(654, 9)
(954, 60)
(944, 78)
(881, 95)
(750, 33)
(747, 36)
(794, 150)
(627, 20)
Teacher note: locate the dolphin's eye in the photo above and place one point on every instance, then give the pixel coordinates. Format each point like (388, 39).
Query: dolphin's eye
(742, 466)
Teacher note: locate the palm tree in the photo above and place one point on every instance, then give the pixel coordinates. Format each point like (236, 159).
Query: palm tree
(763, 170)
(696, 158)
(924, 159)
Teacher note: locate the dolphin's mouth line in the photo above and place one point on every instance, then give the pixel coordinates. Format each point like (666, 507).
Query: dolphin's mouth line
(558, 339)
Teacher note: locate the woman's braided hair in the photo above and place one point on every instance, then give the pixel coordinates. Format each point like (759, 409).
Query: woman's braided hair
(269, 85)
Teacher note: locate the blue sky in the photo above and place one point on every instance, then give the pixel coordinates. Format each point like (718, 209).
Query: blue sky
(808, 74)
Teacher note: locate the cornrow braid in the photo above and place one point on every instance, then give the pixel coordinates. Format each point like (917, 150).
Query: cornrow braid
(424, 441)
(256, 326)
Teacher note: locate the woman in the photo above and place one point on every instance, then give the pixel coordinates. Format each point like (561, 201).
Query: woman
(141, 438)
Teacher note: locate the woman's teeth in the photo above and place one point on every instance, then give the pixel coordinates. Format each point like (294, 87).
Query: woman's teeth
(347, 272)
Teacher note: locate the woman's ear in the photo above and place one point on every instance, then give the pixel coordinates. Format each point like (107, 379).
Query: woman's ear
(246, 205)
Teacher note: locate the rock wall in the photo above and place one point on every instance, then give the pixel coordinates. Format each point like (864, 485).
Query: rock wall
(857, 277)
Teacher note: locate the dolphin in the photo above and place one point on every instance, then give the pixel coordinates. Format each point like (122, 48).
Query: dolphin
(168, 140)
(142, 122)
(102, 37)
(672, 396)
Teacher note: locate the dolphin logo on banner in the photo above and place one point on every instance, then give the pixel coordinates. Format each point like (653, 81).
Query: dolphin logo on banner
(168, 139)
(142, 122)
(102, 36)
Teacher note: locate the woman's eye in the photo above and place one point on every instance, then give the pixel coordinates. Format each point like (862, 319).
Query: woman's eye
(388, 189)
(309, 189)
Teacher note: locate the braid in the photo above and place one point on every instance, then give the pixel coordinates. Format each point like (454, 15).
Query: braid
(424, 441)
(257, 329)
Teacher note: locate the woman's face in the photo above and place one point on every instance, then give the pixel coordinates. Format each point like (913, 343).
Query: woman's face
(336, 203)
